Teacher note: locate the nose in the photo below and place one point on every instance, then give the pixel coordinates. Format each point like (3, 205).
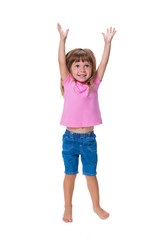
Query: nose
(82, 68)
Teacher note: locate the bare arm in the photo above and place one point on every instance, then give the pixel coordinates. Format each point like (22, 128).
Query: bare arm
(61, 53)
(105, 57)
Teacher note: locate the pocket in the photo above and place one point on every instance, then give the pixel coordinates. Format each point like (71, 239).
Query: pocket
(67, 143)
(92, 144)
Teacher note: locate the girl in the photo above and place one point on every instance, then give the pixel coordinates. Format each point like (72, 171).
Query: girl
(79, 86)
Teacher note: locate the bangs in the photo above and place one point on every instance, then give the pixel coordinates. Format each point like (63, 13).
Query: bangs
(81, 56)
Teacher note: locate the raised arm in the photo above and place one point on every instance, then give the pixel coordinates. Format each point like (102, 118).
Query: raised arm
(107, 47)
(61, 52)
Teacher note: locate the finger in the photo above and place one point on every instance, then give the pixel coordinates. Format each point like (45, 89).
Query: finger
(67, 31)
(59, 27)
(114, 31)
(110, 29)
(103, 34)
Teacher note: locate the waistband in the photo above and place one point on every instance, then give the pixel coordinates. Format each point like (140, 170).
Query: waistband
(79, 135)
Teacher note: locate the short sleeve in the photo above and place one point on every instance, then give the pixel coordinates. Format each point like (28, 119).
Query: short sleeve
(66, 81)
(96, 81)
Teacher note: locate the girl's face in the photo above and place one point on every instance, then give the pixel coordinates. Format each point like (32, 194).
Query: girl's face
(81, 71)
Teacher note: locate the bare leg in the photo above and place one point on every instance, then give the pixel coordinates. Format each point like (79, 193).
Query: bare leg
(92, 184)
(68, 186)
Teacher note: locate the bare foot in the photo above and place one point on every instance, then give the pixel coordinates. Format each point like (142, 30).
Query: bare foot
(101, 213)
(67, 217)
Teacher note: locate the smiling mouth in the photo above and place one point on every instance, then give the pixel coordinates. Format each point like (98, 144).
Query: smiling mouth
(82, 75)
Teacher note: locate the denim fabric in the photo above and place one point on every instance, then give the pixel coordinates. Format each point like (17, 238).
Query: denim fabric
(79, 144)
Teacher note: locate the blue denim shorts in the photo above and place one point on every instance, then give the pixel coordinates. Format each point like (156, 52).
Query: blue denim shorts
(79, 144)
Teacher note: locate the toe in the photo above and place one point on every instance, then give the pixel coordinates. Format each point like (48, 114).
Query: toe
(65, 220)
(106, 216)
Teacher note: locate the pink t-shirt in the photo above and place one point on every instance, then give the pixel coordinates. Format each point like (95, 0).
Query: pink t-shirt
(81, 107)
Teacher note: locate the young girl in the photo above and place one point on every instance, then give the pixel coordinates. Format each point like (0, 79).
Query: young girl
(79, 86)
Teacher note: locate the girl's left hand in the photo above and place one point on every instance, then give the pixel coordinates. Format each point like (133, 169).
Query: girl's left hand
(109, 34)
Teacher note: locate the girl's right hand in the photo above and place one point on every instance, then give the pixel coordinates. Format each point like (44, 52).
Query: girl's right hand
(63, 35)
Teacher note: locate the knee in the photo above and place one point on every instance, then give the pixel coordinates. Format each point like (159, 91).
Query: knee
(90, 178)
(70, 177)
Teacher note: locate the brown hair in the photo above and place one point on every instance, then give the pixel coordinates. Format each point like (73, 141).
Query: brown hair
(77, 55)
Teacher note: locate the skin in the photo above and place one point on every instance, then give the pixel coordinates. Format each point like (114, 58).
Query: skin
(81, 71)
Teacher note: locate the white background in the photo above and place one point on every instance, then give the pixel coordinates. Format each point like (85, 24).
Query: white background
(31, 164)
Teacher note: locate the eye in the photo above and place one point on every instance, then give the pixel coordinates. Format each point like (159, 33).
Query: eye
(87, 65)
(77, 65)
